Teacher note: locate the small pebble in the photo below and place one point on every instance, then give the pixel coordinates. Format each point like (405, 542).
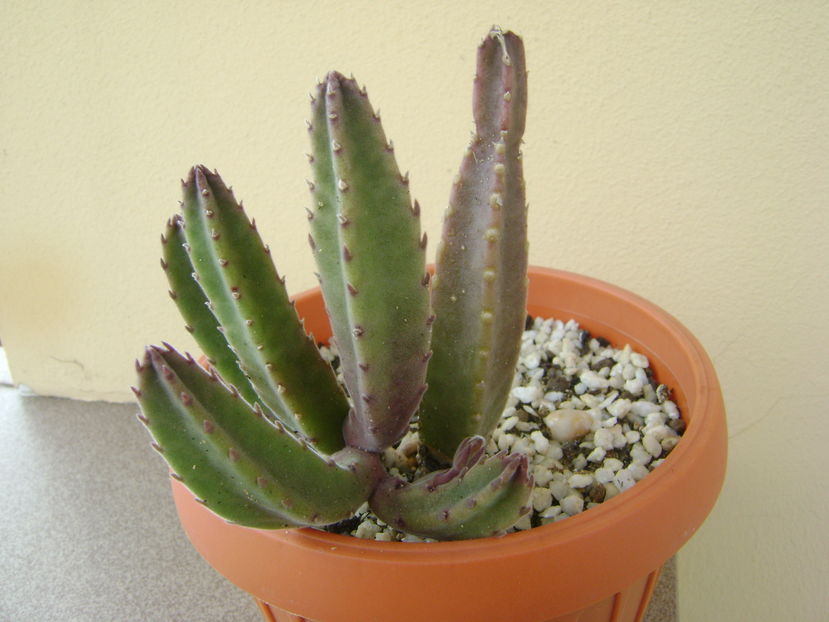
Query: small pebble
(560, 489)
(541, 443)
(542, 498)
(634, 387)
(527, 395)
(642, 408)
(542, 475)
(659, 432)
(593, 381)
(619, 408)
(614, 464)
(555, 452)
(610, 490)
(624, 479)
(509, 423)
(603, 475)
(640, 360)
(670, 408)
(580, 480)
(603, 438)
(652, 445)
(638, 471)
(521, 445)
(640, 455)
(632, 437)
(597, 455)
(669, 443)
(572, 504)
(654, 418)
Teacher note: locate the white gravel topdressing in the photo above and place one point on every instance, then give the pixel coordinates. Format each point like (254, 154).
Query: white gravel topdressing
(589, 417)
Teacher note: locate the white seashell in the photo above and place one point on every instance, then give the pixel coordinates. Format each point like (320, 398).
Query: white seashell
(568, 424)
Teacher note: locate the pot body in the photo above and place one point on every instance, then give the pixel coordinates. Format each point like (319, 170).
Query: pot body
(600, 565)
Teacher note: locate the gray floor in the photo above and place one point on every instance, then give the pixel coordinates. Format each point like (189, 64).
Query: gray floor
(88, 531)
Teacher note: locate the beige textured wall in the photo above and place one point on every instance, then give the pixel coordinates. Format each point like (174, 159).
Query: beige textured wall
(677, 149)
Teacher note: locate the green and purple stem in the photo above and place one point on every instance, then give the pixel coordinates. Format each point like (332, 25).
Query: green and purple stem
(480, 286)
(365, 234)
(257, 318)
(193, 306)
(239, 464)
(476, 497)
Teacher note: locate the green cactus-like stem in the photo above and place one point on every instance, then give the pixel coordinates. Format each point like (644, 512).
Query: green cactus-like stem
(192, 304)
(235, 271)
(475, 498)
(240, 465)
(480, 285)
(365, 234)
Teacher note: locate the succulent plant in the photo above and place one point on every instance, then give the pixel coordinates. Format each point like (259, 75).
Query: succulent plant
(263, 434)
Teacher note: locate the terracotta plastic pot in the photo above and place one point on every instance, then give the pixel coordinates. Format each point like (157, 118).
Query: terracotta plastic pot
(600, 565)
